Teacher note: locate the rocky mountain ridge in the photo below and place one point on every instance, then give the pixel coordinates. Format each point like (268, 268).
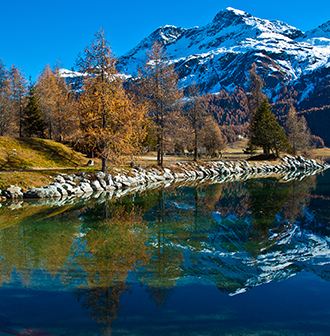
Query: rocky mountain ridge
(219, 55)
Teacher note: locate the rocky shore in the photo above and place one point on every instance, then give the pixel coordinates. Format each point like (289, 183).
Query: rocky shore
(121, 180)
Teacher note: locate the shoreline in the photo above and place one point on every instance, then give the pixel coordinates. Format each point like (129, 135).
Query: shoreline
(68, 186)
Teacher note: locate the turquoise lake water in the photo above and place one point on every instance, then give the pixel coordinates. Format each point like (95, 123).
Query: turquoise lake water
(241, 258)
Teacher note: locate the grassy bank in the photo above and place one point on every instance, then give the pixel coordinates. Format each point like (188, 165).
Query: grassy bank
(27, 153)
(31, 162)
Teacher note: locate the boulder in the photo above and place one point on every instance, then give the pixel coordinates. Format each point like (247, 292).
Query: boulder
(13, 192)
(118, 185)
(44, 192)
(102, 183)
(100, 175)
(109, 188)
(60, 189)
(59, 179)
(85, 187)
(108, 180)
(68, 187)
(96, 186)
(69, 177)
(126, 184)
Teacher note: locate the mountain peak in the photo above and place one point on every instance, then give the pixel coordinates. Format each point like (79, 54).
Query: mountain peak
(230, 15)
(237, 11)
(319, 37)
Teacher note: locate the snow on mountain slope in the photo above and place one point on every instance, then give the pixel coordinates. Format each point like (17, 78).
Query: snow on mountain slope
(219, 55)
(319, 37)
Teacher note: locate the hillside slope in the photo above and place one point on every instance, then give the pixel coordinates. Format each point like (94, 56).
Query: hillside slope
(26, 153)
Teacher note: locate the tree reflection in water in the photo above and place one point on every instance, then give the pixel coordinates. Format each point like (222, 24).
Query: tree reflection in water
(114, 245)
(157, 237)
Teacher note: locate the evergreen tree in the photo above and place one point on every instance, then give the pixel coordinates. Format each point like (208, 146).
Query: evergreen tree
(265, 131)
(32, 123)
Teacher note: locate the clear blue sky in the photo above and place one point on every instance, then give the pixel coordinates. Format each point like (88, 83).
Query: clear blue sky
(35, 33)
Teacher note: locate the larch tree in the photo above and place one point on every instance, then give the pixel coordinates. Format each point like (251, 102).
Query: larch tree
(67, 118)
(19, 89)
(306, 137)
(58, 105)
(47, 92)
(298, 132)
(5, 106)
(159, 86)
(292, 129)
(213, 140)
(255, 94)
(196, 116)
(110, 121)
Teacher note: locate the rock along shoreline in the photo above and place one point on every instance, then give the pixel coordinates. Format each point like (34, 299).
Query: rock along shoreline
(121, 180)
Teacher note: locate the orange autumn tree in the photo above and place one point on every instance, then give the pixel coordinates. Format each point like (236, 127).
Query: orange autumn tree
(58, 105)
(110, 120)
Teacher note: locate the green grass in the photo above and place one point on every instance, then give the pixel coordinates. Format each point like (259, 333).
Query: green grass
(32, 153)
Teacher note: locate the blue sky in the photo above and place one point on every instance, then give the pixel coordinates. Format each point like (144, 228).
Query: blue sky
(35, 33)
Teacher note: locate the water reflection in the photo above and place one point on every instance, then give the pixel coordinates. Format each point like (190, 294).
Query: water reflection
(235, 235)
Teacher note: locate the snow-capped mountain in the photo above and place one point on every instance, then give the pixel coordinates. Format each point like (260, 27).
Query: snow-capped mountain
(219, 55)
(319, 36)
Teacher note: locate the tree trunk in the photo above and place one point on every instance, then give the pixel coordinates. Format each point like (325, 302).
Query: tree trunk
(195, 145)
(104, 165)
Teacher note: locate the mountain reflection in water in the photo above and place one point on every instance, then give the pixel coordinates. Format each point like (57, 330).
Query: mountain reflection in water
(235, 236)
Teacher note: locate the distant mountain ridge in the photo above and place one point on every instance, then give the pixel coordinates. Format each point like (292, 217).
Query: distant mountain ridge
(219, 55)
(294, 65)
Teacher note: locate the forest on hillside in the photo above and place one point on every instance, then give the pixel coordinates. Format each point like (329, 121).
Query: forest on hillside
(100, 112)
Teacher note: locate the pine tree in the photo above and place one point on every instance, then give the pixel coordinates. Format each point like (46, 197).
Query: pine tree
(265, 131)
(110, 121)
(159, 86)
(32, 123)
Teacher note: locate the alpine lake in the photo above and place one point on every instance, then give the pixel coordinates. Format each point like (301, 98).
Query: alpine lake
(247, 258)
